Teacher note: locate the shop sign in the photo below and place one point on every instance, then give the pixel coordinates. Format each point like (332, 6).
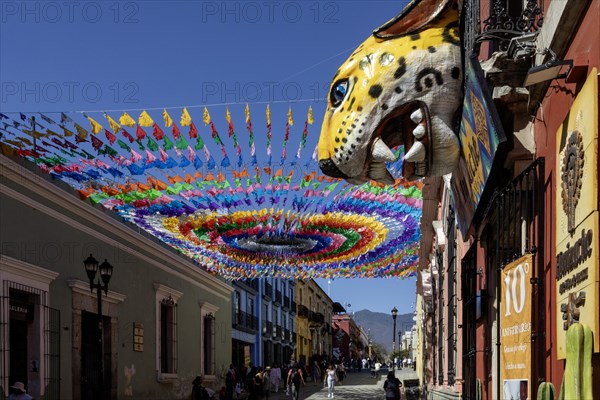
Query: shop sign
(138, 336)
(515, 328)
(577, 266)
(247, 355)
(480, 136)
(20, 311)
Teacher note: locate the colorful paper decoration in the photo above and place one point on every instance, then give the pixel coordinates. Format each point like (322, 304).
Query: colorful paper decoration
(250, 218)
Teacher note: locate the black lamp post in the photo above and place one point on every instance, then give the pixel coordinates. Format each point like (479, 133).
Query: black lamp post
(394, 315)
(106, 270)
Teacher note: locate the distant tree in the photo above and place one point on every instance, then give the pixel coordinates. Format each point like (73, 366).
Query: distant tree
(400, 353)
(378, 352)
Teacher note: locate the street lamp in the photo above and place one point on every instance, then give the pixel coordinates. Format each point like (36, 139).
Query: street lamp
(106, 270)
(394, 315)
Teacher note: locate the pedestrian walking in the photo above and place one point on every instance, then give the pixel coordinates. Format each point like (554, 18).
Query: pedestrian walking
(230, 382)
(330, 380)
(250, 383)
(295, 379)
(392, 386)
(275, 377)
(377, 369)
(315, 372)
(341, 372)
(258, 384)
(285, 370)
(267, 383)
(199, 392)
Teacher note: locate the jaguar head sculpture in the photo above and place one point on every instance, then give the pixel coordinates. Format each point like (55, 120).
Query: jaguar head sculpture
(402, 86)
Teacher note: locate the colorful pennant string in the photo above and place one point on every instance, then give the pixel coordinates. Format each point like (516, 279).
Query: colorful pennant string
(230, 219)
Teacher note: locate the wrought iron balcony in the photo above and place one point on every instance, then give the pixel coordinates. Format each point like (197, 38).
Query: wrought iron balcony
(286, 302)
(243, 320)
(287, 335)
(316, 317)
(293, 307)
(267, 328)
(319, 317)
(507, 15)
(278, 332)
(506, 19)
(278, 297)
(251, 283)
(303, 311)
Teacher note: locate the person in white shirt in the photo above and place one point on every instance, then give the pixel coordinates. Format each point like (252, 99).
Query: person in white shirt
(275, 377)
(330, 380)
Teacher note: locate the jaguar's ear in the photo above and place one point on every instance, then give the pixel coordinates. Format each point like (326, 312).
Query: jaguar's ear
(413, 18)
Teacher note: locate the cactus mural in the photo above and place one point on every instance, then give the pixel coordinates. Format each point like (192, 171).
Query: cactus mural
(577, 380)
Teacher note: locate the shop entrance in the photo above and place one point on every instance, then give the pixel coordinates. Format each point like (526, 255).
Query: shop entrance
(90, 362)
(18, 351)
(30, 352)
(24, 335)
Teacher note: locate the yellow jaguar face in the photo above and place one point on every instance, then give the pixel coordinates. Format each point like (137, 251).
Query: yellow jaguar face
(403, 85)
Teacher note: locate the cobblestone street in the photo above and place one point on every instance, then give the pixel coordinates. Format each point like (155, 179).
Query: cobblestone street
(356, 386)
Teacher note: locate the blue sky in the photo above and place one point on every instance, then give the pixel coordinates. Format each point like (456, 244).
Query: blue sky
(380, 295)
(109, 55)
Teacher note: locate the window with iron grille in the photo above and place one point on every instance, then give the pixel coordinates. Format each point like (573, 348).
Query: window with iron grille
(451, 274)
(237, 302)
(441, 304)
(168, 336)
(469, 297)
(250, 305)
(166, 332)
(209, 344)
(517, 228)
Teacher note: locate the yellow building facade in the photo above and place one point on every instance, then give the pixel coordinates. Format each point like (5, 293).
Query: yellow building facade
(313, 321)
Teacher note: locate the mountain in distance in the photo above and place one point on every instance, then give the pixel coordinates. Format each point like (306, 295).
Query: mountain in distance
(380, 326)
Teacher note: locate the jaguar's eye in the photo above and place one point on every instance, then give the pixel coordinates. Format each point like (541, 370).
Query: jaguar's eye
(338, 92)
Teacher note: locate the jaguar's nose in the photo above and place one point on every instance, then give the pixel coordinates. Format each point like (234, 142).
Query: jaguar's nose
(329, 168)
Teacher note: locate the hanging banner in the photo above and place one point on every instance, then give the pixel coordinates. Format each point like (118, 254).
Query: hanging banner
(515, 328)
(577, 266)
(480, 137)
(247, 360)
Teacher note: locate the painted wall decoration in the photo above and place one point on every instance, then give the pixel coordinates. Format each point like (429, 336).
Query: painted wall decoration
(515, 328)
(577, 216)
(401, 87)
(248, 203)
(480, 135)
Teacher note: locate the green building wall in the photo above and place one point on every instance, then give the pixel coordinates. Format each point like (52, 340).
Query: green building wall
(46, 227)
